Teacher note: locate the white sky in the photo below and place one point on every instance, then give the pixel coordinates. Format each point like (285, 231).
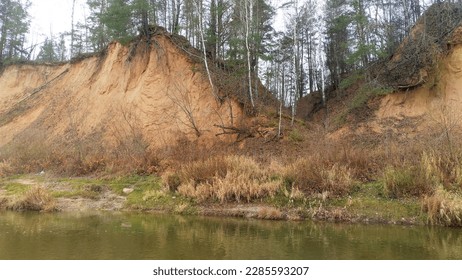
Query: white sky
(52, 17)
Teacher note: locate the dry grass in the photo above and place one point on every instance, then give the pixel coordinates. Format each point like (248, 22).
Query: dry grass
(312, 177)
(171, 180)
(269, 213)
(3, 202)
(35, 199)
(232, 178)
(443, 208)
(443, 168)
(423, 176)
(76, 158)
(406, 182)
(5, 168)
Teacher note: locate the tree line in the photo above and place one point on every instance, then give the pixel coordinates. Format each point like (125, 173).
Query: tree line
(322, 41)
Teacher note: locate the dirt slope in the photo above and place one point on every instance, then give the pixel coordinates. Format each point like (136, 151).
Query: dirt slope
(154, 92)
(423, 81)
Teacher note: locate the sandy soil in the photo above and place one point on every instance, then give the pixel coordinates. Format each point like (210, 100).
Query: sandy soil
(157, 91)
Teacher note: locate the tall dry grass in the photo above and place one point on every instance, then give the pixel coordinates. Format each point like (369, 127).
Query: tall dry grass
(443, 208)
(35, 199)
(407, 181)
(227, 179)
(435, 168)
(312, 177)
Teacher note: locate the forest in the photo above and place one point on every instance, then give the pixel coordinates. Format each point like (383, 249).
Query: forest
(320, 44)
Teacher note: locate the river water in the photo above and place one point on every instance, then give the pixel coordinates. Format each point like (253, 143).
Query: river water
(130, 236)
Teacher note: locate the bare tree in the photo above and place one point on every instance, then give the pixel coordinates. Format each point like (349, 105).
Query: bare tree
(181, 97)
(200, 11)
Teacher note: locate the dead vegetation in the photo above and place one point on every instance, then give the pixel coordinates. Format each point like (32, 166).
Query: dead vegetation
(227, 179)
(313, 177)
(35, 199)
(443, 208)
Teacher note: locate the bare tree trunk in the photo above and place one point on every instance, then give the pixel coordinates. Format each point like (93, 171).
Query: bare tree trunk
(323, 86)
(72, 28)
(247, 46)
(282, 100)
(204, 50)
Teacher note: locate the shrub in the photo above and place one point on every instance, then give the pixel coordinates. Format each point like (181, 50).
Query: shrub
(173, 181)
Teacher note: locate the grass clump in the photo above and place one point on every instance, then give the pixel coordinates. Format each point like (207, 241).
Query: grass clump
(296, 136)
(442, 168)
(443, 208)
(35, 199)
(172, 181)
(402, 182)
(313, 177)
(227, 179)
(434, 169)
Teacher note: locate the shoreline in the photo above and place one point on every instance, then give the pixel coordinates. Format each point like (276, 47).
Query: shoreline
(138, 194)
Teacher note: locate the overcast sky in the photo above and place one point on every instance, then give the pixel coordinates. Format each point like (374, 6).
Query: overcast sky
(52, 16)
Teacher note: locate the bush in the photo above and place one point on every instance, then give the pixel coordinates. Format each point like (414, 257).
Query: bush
(173, 181)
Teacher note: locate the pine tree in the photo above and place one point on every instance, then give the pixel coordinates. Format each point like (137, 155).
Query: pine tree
(48, 52)
(337, 39)
(14, 25)
(118, 20)
(98, 37)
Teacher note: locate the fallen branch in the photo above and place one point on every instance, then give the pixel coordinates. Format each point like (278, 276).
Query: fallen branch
(242, 133)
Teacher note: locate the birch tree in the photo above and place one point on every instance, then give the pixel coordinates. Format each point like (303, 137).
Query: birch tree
(200, 12)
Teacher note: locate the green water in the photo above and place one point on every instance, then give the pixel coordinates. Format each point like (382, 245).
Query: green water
(149, 236)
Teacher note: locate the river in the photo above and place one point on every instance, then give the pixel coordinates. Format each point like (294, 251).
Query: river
(135, 236)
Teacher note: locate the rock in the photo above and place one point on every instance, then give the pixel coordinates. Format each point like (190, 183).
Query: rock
(127, 190)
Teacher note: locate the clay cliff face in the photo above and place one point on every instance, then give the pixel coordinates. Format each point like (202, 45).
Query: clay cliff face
(153, 91)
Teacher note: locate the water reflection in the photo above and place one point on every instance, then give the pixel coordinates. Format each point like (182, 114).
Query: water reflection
(148, 236)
